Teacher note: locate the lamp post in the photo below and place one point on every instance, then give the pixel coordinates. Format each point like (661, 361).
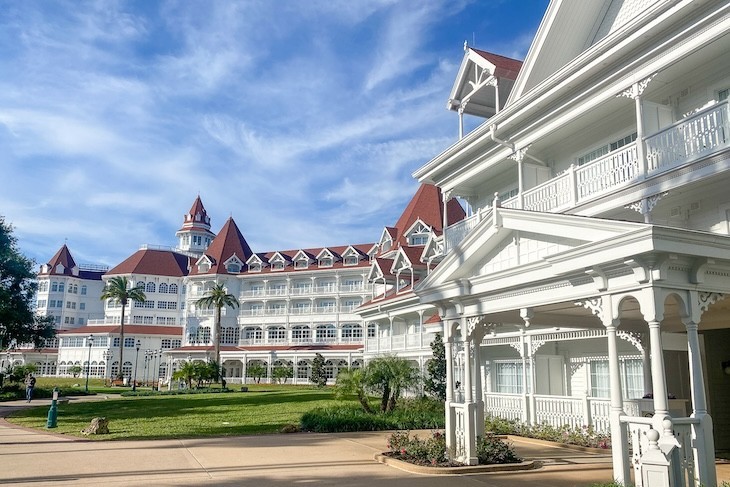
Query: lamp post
(90, 343)
(136, 356)
(107, 358)
(146, 361)
(155, 369)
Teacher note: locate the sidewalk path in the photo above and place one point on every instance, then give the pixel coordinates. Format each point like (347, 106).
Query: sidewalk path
(40, 458)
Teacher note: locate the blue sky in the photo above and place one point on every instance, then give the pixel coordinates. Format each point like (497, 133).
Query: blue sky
(302, 120)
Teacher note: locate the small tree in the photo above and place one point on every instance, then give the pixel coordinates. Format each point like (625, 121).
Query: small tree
(435, 382)
(75, 370)
(256, 371)
(318, 376)
(119, 290)
(390, 376)
(282, 372)
(353, 381)
(186, 373)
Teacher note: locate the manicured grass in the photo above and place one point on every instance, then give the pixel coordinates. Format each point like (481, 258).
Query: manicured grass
(265, 409)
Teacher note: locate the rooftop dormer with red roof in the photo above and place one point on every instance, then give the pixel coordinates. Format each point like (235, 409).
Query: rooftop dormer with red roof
(227, 254)
(195, 235)
(61, 264)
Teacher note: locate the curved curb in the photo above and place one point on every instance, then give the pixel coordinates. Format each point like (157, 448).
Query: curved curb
(555, 444)
(421, 469)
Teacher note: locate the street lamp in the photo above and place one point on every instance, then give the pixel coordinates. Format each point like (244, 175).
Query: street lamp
(146, 361)
(89, 342)
(136, 356)
(107, 358)
(155, 368)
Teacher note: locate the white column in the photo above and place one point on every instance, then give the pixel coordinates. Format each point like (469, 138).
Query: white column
(478, 387)
(618, 432)
(704, 453)
(659, 384)
(526, 412)
(640, 148)
(450, 424)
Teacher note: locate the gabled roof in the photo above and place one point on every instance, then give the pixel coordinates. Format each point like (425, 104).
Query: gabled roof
(153, 262)
(381, 267)
(427, 206)
(227, 243)
(474, 85)
(568, 28)
(288, 256)
(560, 232)
(62, 257)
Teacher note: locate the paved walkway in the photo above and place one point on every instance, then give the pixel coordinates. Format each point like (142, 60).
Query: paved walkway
(39, 458)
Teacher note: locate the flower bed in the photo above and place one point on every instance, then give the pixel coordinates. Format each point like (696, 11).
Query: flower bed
(432, 451)
(582, 436)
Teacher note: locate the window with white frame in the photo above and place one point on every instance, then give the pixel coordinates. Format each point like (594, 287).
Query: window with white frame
(632, 378)
(82, 306)
(350, 260)
(129, 342)
(172, 289)
(605, 149)
(162, 287)
(301, 264)
(325, 262)
(254, 267)
(150, 288)
(508, 377)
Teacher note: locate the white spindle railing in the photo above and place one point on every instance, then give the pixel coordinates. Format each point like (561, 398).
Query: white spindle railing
(697, 135)
(703, 132)
(559, 411)
(506, 406)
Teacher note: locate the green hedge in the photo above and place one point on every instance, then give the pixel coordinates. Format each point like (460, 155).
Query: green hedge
(179, 392)
(15, 392)
(410, 414)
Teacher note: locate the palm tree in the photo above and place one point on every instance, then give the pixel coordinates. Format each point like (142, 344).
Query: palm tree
(217, 298)
(353, 381)
(118, 289)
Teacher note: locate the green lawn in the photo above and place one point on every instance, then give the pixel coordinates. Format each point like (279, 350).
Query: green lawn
(265, 409)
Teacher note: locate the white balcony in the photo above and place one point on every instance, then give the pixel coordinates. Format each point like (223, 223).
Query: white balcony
(696, 136)
(410, 341)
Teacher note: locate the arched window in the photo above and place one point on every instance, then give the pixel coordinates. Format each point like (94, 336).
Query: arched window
(304, 369)
(329, 369)
(150, 287)
(162, 288)
(253, 334)
(127, 369)
(276, 334)
(351, 332)
(114, 371)
(356, 364)
(326, 333)
(233, 268)
(204, 334)
(54, 286)
(140, 284)
(60, 287)
(172, 289)
(230, 335)
(301, 333)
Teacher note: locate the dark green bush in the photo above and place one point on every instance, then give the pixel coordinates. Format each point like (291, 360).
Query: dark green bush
(410, 414)
(491, 449)
(583, 436)
(179, 392)
(412, 449)
(13, 392)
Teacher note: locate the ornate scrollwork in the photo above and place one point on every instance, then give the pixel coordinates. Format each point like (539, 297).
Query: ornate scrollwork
(637, 89)
(517, 346)
(575, 366)
(535, 345)
(592, 304)
(645, 205)
(519, 154)
(633, 338)
(708, 299)
(477, 327)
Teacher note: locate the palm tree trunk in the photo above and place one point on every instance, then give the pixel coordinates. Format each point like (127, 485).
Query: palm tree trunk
(121, 343)
(217, 341)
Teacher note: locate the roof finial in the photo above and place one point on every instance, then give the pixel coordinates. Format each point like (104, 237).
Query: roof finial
(466, 45)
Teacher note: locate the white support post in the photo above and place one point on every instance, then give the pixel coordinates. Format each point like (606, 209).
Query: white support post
(618, 432)
(478, 386)
(640, 145)
(702, 436)
(450, 420)
(659, 383)
(526, 410)
(470, 441)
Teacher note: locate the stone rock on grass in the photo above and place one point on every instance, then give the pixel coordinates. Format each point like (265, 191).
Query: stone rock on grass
(98, 426)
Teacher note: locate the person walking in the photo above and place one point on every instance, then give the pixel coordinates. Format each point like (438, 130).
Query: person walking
(29, 385)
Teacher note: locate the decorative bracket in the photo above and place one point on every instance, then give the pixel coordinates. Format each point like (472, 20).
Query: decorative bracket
(636, 89)
(592, 304)
(632, 337)
(519, 154)
(645, 205)
(708, 299)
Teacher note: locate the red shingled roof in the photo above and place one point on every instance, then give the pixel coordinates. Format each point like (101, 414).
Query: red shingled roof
(228, 242)
(505, 67)
(289, 255)
(63, 257)
(192, 221)
(426, 205)
(155, 262)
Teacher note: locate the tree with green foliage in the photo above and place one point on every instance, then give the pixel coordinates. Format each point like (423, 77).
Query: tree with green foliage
(282, 372)
(217, 297)
(119, 290)
(353, 382)
(256, 371)
(185, 373)
(18, 322)
(390, 376)
(318, 377)
(206, 372)
(435, 382)
(75, 370)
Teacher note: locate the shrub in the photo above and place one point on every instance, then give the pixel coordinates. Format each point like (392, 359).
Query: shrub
(410, 414)
(491, 449)
(180, 392)
(582, 436)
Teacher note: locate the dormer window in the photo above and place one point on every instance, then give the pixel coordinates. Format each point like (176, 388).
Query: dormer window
(325, 262)
(277, 266)
(350, 260)
(203, 267)
(234, 267)
(254, 267)
(301, 264)
(418, 239)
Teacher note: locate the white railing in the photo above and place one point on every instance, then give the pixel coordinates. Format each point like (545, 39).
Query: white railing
(699, 134)
(253, 293)
(603, 175)
(251, 312)
(559, 411)
(506, 406)
(93, 267)
(408, 341)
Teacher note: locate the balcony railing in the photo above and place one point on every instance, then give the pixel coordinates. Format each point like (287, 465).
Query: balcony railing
(409, 341)
(697, 135)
